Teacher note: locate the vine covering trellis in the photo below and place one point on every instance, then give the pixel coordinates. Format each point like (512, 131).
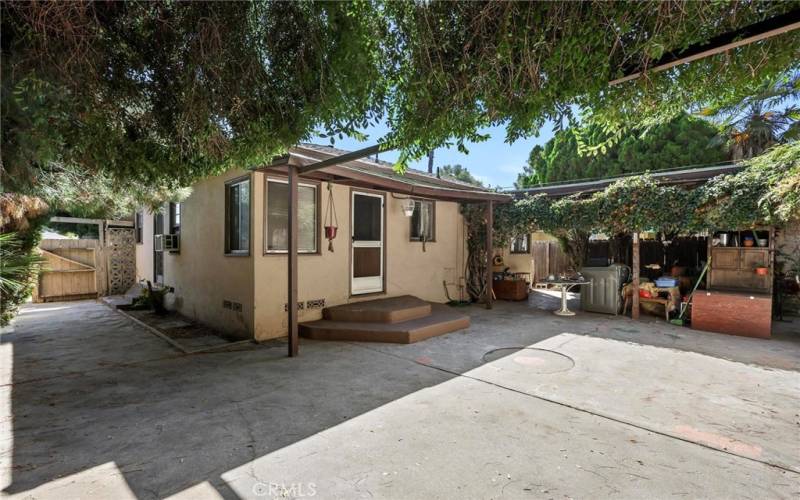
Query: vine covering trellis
(765, 191)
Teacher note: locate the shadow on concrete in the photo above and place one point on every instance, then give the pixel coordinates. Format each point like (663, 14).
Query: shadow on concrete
(88, 388)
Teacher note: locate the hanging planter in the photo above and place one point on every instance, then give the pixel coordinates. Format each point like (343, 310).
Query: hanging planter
(331, 221)
(330, 232)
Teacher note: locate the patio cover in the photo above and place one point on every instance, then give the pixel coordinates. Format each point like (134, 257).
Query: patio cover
(376, 174)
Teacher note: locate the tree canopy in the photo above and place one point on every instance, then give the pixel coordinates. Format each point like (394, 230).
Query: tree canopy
(680, 142)
(770, 116)
(459, 173)
(765, 191)
(159, 94)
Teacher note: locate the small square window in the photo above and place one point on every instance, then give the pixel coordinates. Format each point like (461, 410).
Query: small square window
(423, 221)
(521, 244)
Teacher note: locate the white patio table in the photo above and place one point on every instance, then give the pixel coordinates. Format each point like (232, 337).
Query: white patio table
(566, 285)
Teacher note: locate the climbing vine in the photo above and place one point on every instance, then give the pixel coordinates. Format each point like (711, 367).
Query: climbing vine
(765, 191)
(166, 93)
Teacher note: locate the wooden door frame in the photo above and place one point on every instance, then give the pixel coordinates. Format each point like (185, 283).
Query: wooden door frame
(383, 196)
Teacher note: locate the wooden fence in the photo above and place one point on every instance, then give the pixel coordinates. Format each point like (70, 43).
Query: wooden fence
(78, 269)
(548, 258)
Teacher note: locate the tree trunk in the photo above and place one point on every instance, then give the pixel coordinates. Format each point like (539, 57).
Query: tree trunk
(576, 245)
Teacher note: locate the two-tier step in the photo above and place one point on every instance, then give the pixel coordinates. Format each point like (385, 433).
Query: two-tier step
(401, 320)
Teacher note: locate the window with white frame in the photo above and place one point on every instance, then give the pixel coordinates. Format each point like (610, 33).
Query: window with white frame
(277, 217)
(237, 217)
(423, 221)
(521, 244)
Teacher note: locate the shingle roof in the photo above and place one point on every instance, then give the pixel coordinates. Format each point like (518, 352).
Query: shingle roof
(371, 173)
(388, 168)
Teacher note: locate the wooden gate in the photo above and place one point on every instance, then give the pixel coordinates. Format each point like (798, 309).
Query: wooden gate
(548, 258)
(88, 268)
(70, 270)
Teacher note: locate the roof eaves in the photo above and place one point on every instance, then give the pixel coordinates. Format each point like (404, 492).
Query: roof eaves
(675, 176)
(388, 167)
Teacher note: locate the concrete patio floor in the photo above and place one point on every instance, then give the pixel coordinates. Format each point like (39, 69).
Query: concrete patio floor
(93, 406)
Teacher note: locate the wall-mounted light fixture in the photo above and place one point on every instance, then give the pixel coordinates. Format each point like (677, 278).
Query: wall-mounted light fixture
(408, 207)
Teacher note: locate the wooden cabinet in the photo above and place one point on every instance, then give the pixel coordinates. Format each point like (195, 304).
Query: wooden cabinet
(737, 300)
(752, 258)
(725, 258)
(735, 268)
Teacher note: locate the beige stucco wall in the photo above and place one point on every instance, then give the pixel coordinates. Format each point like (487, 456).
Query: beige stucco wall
(521, 262)
(408, 269)
(518, 262)
(144, 250)
(202, 275)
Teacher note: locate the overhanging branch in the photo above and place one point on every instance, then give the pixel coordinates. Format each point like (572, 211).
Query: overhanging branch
(749, 34)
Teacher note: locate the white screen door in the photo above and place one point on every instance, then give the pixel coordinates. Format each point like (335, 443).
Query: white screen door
(366, 227)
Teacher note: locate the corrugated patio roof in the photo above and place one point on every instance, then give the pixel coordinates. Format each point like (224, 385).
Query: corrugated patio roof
(680, 175)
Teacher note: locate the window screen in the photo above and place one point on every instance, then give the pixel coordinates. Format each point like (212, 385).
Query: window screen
(278, 217)
(422, 221)
(237, 219)
(174, 218)
(138, 223)
(367, 218)
(521, 244)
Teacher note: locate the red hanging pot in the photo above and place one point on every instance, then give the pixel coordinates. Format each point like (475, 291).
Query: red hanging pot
(330, 219)
(330, 232)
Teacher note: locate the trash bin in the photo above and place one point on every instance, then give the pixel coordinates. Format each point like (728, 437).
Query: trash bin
(603, 293)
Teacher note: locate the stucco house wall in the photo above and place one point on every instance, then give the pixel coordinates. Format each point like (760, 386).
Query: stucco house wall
(144, 250)
(201, 274)
(521, 262)
(326, 275)
(203, 277)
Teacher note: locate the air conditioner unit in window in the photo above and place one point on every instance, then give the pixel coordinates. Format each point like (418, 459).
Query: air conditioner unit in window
(172, 242)
(158, 242)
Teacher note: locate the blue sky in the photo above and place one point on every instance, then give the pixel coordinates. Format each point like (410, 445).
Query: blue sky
(493, 161)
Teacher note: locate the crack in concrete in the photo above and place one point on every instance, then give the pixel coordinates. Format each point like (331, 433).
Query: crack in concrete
(251, 443)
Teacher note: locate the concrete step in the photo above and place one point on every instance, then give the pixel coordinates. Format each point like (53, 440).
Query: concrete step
(391, 310)
(441, 320)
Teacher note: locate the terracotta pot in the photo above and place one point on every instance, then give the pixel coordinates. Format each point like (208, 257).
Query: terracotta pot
(762, 271)
(748, 242)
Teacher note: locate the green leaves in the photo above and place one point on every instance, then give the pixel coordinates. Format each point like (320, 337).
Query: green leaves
(594, 152)
(164, 94)
(766, 191)
(19, 265)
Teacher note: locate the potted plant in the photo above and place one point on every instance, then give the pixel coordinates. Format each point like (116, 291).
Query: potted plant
(155, 296)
